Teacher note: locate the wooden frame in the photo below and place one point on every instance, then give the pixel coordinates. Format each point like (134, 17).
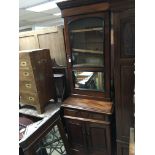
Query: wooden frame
(105, 69)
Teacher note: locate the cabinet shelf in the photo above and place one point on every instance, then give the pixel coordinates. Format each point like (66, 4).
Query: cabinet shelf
(88, 65)
(87, 51)
(87, 30)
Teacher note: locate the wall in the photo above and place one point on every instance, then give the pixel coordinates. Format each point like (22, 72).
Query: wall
(50, 38)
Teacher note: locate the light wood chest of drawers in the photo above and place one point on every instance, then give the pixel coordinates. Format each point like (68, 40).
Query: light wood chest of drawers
(36, 83)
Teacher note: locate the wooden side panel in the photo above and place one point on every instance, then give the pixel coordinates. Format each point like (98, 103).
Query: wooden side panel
(124, 107)
(124, 48)
(54, 42)
(127, 35)
(27, 43)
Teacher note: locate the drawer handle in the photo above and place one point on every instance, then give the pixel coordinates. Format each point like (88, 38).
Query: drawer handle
(23, 63)
(26, 73)
(31, 98)
(28, 85)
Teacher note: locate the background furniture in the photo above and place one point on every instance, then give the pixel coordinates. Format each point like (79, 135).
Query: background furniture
(36, 85)
(61, 82)
(60, 86)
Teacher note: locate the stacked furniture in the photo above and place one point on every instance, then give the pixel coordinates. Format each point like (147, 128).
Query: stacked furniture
(36, 86)
(99, 37)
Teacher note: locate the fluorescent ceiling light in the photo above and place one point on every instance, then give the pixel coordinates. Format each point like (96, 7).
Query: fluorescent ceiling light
(57, 14)
(44, 6)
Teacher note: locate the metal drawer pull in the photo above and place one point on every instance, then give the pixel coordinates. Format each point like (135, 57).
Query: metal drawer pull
(31, 98)
(26, 73)
(23, 63)
(28, 85)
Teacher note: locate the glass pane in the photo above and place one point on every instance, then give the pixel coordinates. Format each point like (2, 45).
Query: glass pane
(89, 80)
(51, 144)
(87, 42)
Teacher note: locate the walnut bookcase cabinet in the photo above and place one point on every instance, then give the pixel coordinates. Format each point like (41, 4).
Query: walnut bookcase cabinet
(95, 33)
(36, 85)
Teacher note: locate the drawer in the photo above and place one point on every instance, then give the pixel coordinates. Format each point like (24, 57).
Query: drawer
(84, 114)
(24, 64)
(27, 86)
(97, 116)
(29, 98)
(76, 113)
(23, 55)
(26, 75)
(71, 112)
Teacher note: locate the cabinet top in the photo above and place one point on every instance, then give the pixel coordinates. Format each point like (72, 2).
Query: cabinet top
(89, 105)
(77, 3)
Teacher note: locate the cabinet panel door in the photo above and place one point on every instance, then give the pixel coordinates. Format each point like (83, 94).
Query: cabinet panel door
(99, 139)
(76, 133)
(124, 72)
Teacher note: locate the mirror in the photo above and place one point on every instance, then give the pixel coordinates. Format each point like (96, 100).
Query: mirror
(89, 80)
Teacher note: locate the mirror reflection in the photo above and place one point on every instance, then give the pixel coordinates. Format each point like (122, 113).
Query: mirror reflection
(89, 80)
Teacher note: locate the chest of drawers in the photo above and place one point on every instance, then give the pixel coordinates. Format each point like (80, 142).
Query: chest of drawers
(36, 86)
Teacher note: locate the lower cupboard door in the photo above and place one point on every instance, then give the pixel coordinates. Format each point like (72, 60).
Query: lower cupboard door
(76, 134)
(99, 139)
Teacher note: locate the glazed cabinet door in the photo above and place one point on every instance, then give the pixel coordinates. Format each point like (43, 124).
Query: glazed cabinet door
(99, 139)
(87, 46)
(77, 136)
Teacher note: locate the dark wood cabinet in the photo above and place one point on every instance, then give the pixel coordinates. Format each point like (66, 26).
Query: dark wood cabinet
(87, 112)
(124, 46)
(99, 37)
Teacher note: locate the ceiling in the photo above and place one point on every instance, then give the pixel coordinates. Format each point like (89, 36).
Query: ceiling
(33, 20)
